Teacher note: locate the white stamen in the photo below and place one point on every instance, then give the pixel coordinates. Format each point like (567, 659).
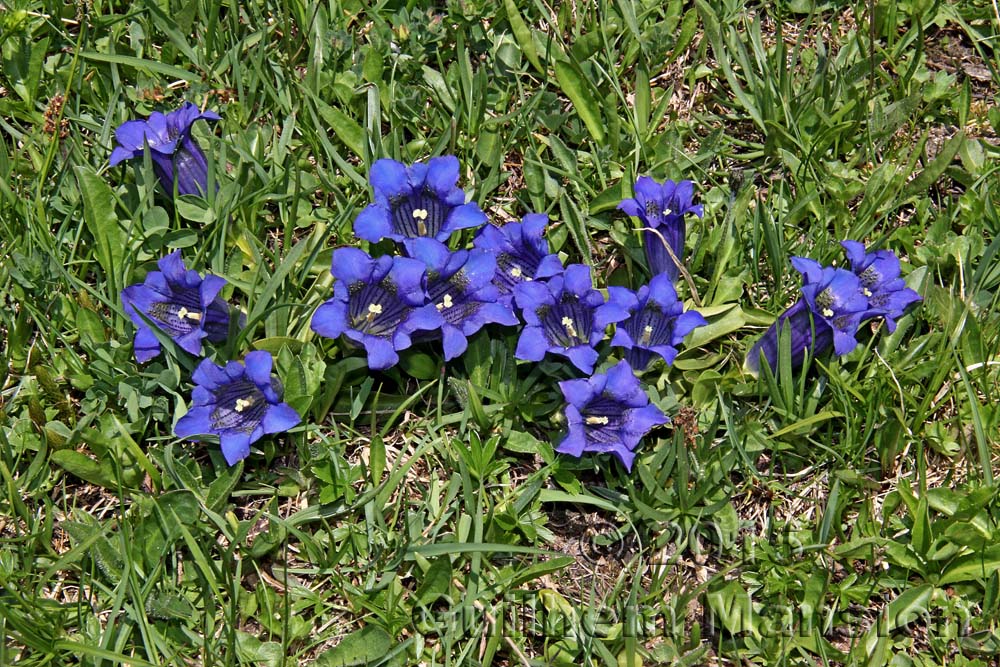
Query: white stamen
(420, 213)
(184, 312)
(827, 312)
(567, 323)
(647, 333)
(374, 309)
(242, 404)
(446, 302)
(866, 291)
(667, 211)
(603, 421)
(516, 271)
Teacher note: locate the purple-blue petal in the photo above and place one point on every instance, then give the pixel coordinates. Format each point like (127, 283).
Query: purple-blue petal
(532, 345)
(381, 354)
(196, 421)
(235, 445)
(373, 224)
(280, 418)
(388, 179)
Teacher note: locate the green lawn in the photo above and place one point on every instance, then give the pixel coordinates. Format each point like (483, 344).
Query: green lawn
(842, 513)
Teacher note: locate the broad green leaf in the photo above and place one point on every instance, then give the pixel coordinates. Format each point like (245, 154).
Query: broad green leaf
(572, 82)
(84, 467)
(435, 583)
(523, 35)
(102, 222)
(367, 646)
(933, 171)
(716, 328)
(977, 566)
(346, 128)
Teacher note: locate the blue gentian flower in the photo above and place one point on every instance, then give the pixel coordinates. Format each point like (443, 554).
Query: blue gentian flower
(459, 286)
(377, 303)
(416, 201)
(239, 402)
(172, 148)
(181, 303)
(522, 253)
(887, 293)
(662, 208)
(829, 312)
(657, 324)
(567, 316)
(608, 412)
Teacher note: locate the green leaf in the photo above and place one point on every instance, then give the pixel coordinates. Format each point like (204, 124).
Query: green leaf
(716, 328)
(102, 223)
(977, 566)
(346, 128)
(933, 171)
(436, 582)
(148, 66)
(572, 82)
(523, 35)
(84, 467)
(367, 646)
(420, 365)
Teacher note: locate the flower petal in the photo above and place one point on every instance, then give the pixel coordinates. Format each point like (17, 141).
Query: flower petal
(373, 224)
(532, 345)
(454, 341)
(210, 375)
(280, 418)
(258, 367)
(197, 421)
(330, 319)
(381, 354)
(145, 345)
(462, 217)
(235, 446)
(388, 179)
(442, 174)
(583, 357)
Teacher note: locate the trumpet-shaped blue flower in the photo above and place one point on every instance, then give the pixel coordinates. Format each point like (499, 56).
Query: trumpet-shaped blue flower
(661, 209)
(829, 312)
(608, 412)
(421, 200)
(522, 253)
(377, 303)
(657, 324)
(180, 303)
(567, 316)
(887, 294)
(459, 286)
(174, 152)
(238, 402)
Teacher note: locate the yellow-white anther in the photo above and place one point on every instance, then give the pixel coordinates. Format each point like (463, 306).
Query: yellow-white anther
(446, 302)
(866, 292)
(374, 309)
(242, 404)
(515, 271)
(191, 315)
(667, 211)
(597, 421)
(827, 312)
(567, 323)
(420, 213)
(647, 333)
